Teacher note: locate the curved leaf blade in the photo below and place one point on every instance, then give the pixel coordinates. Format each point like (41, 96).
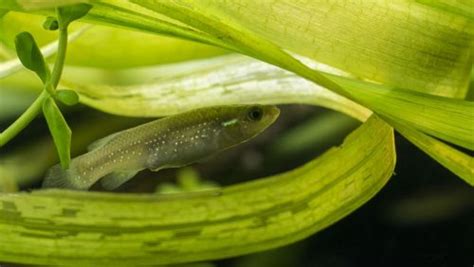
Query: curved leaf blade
(227, 80)
(87, 228)
(237, 79)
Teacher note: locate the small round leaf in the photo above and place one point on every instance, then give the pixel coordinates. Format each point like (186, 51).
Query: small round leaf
(51, 24)
(68, 14)
(68, 97)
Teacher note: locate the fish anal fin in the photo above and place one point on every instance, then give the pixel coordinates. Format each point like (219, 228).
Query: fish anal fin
(115, 179)
(101, 142)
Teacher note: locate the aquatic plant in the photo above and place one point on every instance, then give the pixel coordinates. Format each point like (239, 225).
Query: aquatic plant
(403, 65)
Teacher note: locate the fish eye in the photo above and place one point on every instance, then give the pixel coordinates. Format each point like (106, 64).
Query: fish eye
(255, 114)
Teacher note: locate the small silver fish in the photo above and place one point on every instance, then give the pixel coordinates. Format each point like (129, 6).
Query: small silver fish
(170, 142)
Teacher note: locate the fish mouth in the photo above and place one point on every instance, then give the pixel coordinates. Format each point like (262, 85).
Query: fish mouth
(274, 112)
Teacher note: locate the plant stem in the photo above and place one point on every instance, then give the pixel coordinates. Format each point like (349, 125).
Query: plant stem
(23, 120)
(60, 57)
(49, 89)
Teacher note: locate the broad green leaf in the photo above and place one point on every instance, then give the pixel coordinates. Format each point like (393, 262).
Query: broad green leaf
(372, 45)
(240, 37)
(68, 97)
(433, 64)
(59, 130)
(129, 229)
(30, 55)
(70, 13)
(428, 64)
(236, 79)
(11, 66)
(226, 80)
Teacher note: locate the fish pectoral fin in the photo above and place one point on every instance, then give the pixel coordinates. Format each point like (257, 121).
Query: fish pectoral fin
(115, 179)
(101, 142)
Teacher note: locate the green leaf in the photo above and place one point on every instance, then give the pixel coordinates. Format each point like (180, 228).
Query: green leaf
(128, 48)
(446, 118)
(68, 97)
(68, 14)
(59, 130)
(51, 24)
(218, 22)
(235, 220)
(378, 53)
(35, 5)
(30, 55)
(226, 80)
(459, 7)
(313, 195)
(456, 161)
(14, 65)
(236, 79)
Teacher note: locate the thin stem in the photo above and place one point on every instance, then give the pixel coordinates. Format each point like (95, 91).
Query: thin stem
(49, 89)
(60, 57)
(23, 120)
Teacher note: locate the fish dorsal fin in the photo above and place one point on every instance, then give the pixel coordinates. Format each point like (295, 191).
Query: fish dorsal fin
(101, 142)
(115, 179)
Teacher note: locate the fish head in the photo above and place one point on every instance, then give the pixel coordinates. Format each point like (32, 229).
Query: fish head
(245, 122)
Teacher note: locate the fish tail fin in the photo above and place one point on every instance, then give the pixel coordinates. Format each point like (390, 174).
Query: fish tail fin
(57, 177)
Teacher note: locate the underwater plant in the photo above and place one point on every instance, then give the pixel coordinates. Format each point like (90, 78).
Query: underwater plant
(401, 66)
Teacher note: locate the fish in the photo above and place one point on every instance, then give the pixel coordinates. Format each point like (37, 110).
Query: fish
(170, 142)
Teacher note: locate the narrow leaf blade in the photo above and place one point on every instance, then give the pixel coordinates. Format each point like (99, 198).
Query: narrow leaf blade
(456, 161)
(59, 130)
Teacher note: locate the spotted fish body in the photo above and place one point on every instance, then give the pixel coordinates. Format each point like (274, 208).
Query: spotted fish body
(165, 143)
